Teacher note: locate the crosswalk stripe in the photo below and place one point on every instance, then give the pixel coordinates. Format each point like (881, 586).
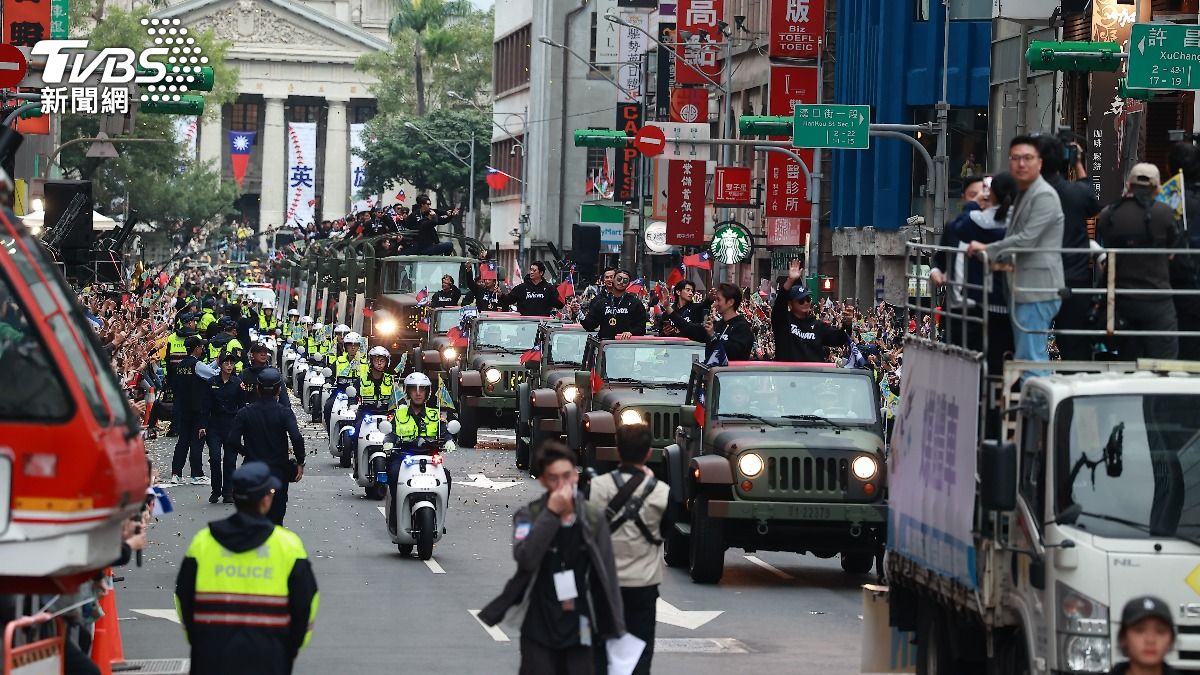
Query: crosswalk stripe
(769, 567)
(494, 631)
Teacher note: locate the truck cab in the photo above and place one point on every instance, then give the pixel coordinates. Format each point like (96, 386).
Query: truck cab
(551, 383)
(639, 380)
(779, 457)
(397, 314)
(484, 387)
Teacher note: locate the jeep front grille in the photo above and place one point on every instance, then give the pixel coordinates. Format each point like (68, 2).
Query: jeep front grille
(662, 427)
(808, 476)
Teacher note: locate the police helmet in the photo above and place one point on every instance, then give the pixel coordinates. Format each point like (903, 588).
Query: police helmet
(306, 319)
(318, 326)
(270, 378)
(294, 312)
(380, 350)
(342, 328)
(415, 379)
(352, 338)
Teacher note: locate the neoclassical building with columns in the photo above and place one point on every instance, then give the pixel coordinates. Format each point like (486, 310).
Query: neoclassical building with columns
(296, 64)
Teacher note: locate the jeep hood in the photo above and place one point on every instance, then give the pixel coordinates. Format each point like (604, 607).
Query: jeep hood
(495, 360)
(750, 436)
(624, 397)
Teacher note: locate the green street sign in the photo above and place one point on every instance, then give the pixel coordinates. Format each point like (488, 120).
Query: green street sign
(839, 127)
(1164, 56)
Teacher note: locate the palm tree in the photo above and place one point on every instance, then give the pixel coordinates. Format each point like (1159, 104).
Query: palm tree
(428, 19)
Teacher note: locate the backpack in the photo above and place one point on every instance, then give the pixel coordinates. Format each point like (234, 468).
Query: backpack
(626, 507)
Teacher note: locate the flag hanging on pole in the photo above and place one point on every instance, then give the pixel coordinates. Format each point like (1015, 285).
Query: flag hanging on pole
(240, 144)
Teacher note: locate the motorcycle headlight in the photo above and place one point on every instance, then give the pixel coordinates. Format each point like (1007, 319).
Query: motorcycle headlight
(864, 467)
(492, 375)
(631, 417)
(450, 353)
(750, 464)
(1083, 632)
(571, 392)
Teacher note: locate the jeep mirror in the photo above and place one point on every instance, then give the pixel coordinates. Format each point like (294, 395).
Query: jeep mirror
(998, 476)
(687, 416)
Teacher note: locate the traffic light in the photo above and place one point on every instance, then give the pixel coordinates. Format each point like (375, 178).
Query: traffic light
(828, 285)
(764, 125)
(600, 138)
(186, 105)
(1086, 57)
(1137, 94)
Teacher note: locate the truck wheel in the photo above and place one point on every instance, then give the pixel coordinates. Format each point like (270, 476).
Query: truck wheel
(933, 643)
(707, 545)
(676, 544)
(423, 524)
(468, 435)
(1012, 655)
(857, 563)
(405, 550)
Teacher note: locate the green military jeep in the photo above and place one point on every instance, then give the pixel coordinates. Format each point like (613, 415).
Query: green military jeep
(777, 457)
(551, 383)
(484, 386)
(438, 352)
(640, 380)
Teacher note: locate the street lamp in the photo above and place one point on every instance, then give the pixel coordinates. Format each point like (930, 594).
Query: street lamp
(469, 161)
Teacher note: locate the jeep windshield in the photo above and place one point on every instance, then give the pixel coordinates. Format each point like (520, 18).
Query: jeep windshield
(410, 276)
(650, 363)
(567, 346)
(447, 319)
(505, 336)
(1132, 462)
(799, 398)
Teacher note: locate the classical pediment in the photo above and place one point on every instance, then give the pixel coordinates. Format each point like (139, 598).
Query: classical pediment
(262, 26)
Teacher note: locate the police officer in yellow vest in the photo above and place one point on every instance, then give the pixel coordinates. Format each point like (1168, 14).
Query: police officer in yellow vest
(227, 341)
(292, 325)
(348, 368)
(246, 594)
(415, 421)
(316, 343)
(376, 388)
(267, 323)
(207, 317)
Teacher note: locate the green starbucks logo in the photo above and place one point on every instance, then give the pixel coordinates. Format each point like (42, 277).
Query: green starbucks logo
(731, 243)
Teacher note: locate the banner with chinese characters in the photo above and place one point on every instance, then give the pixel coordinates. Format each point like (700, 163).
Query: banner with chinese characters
(301, 173)
(629, 120)
(700, 54)
(184, 129)
(666, 71)
(631, 46)
(26, 23)
(1113, 121)
(358, 171)
(685, 202)
(731, 186)
(786, 185)
(796, 28)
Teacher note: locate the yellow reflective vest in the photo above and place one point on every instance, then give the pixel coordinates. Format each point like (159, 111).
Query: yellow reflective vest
(377, 395)
(409, 427)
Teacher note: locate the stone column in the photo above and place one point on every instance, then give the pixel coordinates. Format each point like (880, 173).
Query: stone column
(274, 166)
(335, 201)
(212, 141)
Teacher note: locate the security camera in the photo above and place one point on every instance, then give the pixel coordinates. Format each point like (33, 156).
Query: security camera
(512, 151)
(913, 221)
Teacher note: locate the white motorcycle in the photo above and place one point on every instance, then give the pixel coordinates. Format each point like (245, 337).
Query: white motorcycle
(314, 379)
(341, 425)
(299, 372)
(417, 502)
(288, 362)
(370, 461)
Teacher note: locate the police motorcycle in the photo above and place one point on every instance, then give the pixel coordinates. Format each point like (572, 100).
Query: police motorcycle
(418, 484)
(300, 364)
(314, 377)
(368, 437)
(342, 407)
(339, 340)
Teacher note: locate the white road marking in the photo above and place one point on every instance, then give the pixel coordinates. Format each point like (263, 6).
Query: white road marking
(494, 631)
(699, 646)
(168, 614)
(768, 567)
(691, 620)
(434, 566)
(481, 481)
(381, 511)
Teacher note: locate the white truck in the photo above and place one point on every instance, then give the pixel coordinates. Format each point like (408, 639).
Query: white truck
(1017, 555)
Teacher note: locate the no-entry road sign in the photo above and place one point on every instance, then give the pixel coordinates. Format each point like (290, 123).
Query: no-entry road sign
(650, 141)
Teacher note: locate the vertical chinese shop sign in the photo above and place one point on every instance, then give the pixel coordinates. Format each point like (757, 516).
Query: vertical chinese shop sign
(786, 187)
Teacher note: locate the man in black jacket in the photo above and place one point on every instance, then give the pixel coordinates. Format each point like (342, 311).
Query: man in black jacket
(222, 400)
(1185, 269)
(261, 432)
(189, 396)
(799, 335)
(483, 293)
(260, 359)
(447, 296)
(731, 334)
(683, 310)
(617, 313)
(425, 221)
(535, 297)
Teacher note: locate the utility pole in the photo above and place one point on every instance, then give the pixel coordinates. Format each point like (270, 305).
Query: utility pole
(726, 130)
(941, 159)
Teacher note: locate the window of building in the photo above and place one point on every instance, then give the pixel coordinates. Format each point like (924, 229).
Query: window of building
(506, 156)
(361, 113)
(597, 163)
(970, 10)
(603, 32)
(510, 60)
(921, 10)
(305, 112)
(968, 154)
(243, 117)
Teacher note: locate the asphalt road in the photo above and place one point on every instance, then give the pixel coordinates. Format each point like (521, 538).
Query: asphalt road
(781, 613)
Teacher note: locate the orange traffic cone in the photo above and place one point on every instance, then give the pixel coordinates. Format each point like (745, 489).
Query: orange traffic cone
(107, 648)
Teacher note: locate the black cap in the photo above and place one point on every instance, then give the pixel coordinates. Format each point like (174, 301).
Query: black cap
(252, 481)
(228, 356)
(259, 347)
(192, 342)
(228, 324)
(209, 303)
(187, 317)
(1145, 607)
(270, 378)
(799, 294)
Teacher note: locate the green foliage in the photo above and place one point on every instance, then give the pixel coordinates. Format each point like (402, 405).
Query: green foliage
(396, 153)
(438, 46)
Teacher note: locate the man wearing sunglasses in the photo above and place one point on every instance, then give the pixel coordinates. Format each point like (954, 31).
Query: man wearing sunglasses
(617, 314)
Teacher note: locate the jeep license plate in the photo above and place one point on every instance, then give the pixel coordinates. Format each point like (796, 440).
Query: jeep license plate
(422, 482)
(515, 378)
(810, 512)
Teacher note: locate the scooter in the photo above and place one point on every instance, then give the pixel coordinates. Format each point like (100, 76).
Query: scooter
(370, 461)
(341, 425)
(299, 371)
(288, 362)
(316, 394)
(314, 379)
(417, 501)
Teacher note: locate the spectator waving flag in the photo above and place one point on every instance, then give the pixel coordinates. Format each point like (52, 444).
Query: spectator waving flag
(488, 270)
(162, 502)
(534, 355)
(703, 260)
(1171, 194)
(854, 358)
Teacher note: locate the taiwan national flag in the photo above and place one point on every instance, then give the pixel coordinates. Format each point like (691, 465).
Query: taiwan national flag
(534, 354)
(567, 288)
(487, 270)
(496, 179)
(457, 337)
(703, 260)
(240, 144)
(699, 416)
(637, 286)
(677, 275)
(423, 297)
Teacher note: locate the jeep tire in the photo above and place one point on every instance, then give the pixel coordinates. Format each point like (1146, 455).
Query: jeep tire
(468, 435)
(707, 545)
(857, 563)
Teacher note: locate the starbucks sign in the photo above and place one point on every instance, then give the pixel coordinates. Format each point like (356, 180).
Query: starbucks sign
(731, 243)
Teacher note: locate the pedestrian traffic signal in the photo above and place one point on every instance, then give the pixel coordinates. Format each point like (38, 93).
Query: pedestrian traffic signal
(1124, 91)
(186, 105)
(600, 138)
(765, 125)
(1086, 57)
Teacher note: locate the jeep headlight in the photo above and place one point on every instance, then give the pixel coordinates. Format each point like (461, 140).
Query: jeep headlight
(750, 464)
(631, 417)
(864, 467)
(449, 353)
(571, 392)
(491, 375)
(1083, 632)
(386, 327)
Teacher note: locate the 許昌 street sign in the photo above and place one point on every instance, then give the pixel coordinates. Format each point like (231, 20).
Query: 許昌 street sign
(1164, 56)
(840, 127)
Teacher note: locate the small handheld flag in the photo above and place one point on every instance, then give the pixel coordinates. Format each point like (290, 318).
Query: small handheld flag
(702, 260)
(487, 270)
(534, 355)
(162, 502)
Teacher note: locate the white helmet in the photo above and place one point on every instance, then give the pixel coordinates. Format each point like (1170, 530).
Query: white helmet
(352, 338)
(342, 328)
(416, 380)
(293, 312)
(379, 350)
(318, 326)
(306, 319)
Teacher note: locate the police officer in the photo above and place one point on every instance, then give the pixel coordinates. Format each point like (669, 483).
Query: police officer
(535, 297)
(176, 352)
(616, 313)
(267, 323)
(189, 392)
(338, 345)
(292, 325)
(246, 593)
(416, 419)
(347, 368)
(376, 387)
(315, 342)
(227, 341)
(260, 358)
(221, 403)
(261, 431)
(208, 317)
